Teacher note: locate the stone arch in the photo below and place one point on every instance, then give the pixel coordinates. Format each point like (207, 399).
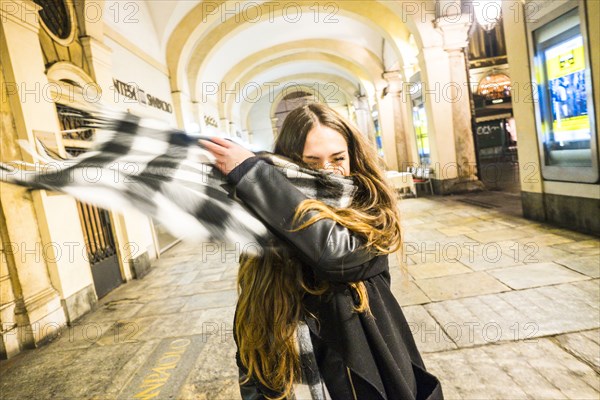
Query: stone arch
(268, 133)
(348, 89)
(418, 17)
(363, 57)
(186, 38)
(338, 62)
(300, 88)
(73, 85)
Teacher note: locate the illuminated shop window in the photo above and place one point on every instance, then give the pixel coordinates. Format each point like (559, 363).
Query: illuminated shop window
(422, 135)
(494, 86)
(564, 112)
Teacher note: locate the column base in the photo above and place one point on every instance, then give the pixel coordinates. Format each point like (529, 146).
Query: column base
(9, 342)
(80, 303)
(45, 316)
(570, 212)
(455, 186)
(140, 265)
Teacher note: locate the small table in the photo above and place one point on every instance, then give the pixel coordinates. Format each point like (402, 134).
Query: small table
(401, 181)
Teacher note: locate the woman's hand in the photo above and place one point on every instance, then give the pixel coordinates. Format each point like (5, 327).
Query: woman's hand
(227, 153)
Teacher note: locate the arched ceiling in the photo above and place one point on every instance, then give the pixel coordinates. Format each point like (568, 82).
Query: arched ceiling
(280, 33)
(328, 85)
(261, 41)
(166, 15)
(358, 55)
(304, 62)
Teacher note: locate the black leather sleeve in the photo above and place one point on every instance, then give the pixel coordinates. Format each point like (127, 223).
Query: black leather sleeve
(334, 252)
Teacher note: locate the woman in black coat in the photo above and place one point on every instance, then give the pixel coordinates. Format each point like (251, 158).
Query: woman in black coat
(334, 275)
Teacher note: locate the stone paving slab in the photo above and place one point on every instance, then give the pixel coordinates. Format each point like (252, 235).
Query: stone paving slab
(546, 239)
(459, 229)
(588, 265)
(128, 371)
(111, 310)
(215, 364)
(69, 374)
(165, 369)
(428, 249)
(528, 251)
(583, 248)
(423, 233)
(533, 275)
(434, 270)
(80, 335)
(408, 293)
(211, 299)
(495, 232)
(483, 257)
(461, 285)
(573, 235)
(538, 369)
(518, 315)
(584, 345)
(199, 287)
(426, 331)
(162, 307)
(152, 327)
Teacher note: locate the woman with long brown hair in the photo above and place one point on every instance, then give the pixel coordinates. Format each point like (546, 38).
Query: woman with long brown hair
(332, 275)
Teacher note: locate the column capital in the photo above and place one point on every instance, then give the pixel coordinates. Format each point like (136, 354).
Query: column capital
(394, 80)
(455, 31)
(361, 102)
(392, 75)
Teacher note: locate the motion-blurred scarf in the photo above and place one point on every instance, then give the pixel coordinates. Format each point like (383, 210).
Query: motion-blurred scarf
(139, 163)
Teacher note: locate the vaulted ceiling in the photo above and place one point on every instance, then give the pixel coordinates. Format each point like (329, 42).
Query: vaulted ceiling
(349, 43)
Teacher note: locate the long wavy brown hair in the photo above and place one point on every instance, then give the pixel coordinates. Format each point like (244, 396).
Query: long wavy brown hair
(271, 287)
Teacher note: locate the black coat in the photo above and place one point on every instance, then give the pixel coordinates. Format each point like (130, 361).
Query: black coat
(359, 356)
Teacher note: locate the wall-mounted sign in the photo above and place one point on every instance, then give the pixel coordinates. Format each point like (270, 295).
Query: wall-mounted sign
(133, 92)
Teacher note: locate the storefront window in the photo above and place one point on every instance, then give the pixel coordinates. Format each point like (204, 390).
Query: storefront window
(565, 116)
(419, 119)
(420, 124)
(378, 136)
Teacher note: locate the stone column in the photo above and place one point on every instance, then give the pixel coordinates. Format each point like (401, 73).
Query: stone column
(455, 35)
(224, 126)
(182, 107)
(198, 121)
(274, 127)
(434, 75)
(385, 106)
(364, 120)
(232, 129)
(394, 79)
(38, 312)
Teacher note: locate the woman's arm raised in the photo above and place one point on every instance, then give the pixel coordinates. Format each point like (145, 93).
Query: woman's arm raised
(334, 251)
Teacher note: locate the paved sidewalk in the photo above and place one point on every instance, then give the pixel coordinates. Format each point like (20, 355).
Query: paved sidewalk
(501, 307)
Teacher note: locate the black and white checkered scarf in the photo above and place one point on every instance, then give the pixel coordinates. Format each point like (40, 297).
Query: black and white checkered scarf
(138, 163)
